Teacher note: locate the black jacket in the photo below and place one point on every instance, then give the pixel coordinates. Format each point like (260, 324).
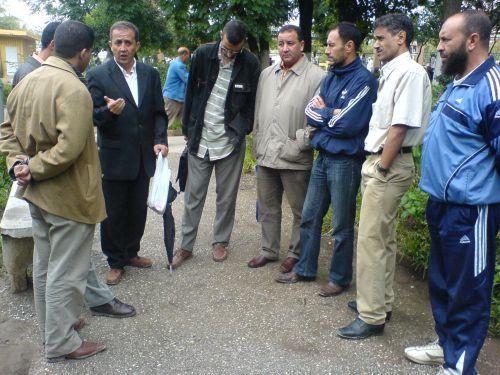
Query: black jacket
(29, 65)
(240, 99)
(127, 140)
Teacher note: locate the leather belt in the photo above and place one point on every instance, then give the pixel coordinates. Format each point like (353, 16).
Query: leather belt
(403, 150)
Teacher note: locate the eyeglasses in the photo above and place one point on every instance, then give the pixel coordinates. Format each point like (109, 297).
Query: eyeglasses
(228, 51)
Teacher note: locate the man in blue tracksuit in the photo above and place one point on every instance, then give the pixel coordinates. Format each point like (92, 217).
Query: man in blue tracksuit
(461, 173)
(339, 116)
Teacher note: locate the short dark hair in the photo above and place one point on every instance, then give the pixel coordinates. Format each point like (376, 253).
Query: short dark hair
(295, 28)
(71, 37)
(348, 31)
(120, 25)
(235, 31)
(48, 33)
(476, 21)
(395, 23)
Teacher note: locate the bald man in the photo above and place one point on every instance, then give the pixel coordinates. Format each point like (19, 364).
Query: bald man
(175, 85)
(461, 174)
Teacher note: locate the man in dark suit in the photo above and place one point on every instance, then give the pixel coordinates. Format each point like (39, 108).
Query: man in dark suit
(131, 129)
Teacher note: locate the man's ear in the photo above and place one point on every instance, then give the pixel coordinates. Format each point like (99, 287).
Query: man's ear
(473, 41)
(52, 45)
(109, 44)
(350, 46)
(402, 37)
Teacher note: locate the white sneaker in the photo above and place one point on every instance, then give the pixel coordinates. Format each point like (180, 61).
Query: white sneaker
(430, 354)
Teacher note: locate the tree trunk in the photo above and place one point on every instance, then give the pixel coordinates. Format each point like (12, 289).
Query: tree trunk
(305, 23)
(450, 7)
(264, 53)
(253, 45)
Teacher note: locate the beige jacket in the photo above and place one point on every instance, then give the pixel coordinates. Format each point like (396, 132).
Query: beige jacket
(279, 137)
(50, 120)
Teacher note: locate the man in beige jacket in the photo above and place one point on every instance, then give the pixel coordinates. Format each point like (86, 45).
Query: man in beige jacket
(281, 144)
(51, 151)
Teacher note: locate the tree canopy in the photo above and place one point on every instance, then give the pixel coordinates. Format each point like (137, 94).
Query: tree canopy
(9, 22)
(167, 24)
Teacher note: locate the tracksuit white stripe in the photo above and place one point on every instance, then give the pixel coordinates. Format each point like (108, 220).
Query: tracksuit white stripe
(480, 248)
(311, 113)
(493, 77)
(351, 104)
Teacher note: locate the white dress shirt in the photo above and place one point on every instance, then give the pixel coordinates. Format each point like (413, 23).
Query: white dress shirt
(131, 79)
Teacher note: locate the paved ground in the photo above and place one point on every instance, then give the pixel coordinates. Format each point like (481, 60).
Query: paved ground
(225, 318)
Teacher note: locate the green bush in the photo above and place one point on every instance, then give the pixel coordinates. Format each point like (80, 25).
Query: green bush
(249, 162)
(6, 89)
(495, 300)
(5, 183)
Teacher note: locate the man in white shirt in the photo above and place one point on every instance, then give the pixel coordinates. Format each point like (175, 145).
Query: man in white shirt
(398, 123)
(131, 130)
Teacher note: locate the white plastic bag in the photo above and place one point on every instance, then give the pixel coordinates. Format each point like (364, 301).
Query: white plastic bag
(159, 186)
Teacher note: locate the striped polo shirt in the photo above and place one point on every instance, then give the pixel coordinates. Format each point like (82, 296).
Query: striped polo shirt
(214, 139)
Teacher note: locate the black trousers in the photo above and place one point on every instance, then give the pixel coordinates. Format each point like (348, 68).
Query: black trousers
(126, 206)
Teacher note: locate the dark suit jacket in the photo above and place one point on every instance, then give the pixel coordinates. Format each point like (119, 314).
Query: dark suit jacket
(126, 139)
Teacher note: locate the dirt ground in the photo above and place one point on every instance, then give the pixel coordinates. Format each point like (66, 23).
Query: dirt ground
(225, 318)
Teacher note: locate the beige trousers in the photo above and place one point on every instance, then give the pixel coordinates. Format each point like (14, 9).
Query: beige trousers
(173, 109)
(376, 249)
(61, 262)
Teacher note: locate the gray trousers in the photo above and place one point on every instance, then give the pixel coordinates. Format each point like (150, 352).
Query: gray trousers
(61, 262)
(227, 181)
(271, 183)
(96, 293)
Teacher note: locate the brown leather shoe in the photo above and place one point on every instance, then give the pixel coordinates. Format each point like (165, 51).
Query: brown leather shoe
(292, 278)
(79, 324)
(260, 261)
(287, 265)
(114, 276)
(85, 350)
(140, 262)
(331, 290)
(180, 257)
(219, 252)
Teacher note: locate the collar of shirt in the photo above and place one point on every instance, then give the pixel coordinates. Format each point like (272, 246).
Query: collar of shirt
(37, 58)
(297, 68)
(457, 82)
(387, 68)
(125, 73)
(221, 59)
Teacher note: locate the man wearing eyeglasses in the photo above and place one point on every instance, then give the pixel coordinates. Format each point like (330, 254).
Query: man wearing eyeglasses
(218, 113)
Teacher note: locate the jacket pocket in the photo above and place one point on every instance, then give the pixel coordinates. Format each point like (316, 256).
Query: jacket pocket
(291, 151)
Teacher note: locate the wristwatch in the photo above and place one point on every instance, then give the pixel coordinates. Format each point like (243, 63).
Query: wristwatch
(382, 169)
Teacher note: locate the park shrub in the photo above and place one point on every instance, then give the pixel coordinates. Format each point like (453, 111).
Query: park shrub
(6, 89)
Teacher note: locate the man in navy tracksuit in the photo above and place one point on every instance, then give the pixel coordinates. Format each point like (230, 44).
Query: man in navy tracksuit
(461, 173)
(339, 116)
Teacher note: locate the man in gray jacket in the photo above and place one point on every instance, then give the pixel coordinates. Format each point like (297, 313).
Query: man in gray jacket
(281, 143)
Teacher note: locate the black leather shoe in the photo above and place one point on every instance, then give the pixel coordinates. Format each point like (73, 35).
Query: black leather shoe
(354, 307)
(114, 309)
(358, 330)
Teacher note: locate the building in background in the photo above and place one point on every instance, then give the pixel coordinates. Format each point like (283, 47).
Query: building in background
(15, 47)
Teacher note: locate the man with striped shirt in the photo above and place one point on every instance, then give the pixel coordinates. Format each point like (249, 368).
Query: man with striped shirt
(218, 113)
